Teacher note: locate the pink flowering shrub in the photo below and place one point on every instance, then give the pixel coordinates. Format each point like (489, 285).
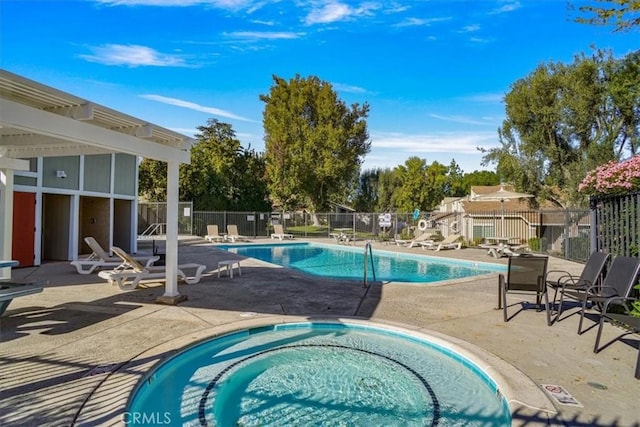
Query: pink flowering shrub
(613, 178)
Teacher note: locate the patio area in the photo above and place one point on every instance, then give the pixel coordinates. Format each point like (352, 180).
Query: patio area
(71, 354)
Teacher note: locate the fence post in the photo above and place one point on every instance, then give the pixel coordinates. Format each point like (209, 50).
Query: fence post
(353, 223)
(566, 234)
(593, 225)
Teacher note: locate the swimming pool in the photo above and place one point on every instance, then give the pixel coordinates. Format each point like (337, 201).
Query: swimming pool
(321, 373)
(347, 262)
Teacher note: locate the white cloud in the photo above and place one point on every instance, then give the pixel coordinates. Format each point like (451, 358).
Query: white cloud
(441, 142)
(186, 131)
(264, 35)
(484, 98)
(335, 11)
(133, 56)
(479, 40)
(470, 29)
(348, 88)
(396, 8)
(196, 107)
(221, 4)
(510, 6)
(461, 119)
(267, 23)
(418, 22)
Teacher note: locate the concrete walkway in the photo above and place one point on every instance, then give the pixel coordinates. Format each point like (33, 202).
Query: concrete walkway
(71, 354)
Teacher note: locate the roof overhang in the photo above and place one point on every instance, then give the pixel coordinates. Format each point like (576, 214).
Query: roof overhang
(40, 121)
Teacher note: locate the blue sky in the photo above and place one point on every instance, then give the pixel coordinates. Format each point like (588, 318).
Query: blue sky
(433, 72)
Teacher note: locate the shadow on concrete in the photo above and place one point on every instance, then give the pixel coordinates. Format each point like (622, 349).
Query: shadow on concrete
(264, 290)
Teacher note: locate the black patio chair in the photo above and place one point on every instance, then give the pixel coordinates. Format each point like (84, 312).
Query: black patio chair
(526, 275)
(591, 274)
(617, 283)
(625, 320)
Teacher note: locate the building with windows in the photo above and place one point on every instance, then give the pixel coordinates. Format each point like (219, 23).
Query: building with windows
(69, 169)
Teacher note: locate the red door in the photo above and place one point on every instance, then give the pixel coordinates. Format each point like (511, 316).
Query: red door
(24, 223)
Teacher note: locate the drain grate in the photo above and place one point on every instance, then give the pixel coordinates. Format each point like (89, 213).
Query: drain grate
(560, 395)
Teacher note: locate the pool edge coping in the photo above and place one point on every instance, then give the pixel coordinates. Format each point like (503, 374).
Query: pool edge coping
(108, 400)
(409, 255)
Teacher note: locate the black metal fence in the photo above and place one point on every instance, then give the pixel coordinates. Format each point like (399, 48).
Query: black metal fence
(616, 224)
(562, 233)
(152, 218)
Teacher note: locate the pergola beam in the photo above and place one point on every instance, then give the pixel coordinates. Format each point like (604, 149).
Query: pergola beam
(31, 120)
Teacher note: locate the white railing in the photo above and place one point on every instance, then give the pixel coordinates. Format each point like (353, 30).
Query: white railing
(155, 229)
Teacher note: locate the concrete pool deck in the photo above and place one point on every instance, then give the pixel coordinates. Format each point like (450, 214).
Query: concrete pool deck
(65, 352)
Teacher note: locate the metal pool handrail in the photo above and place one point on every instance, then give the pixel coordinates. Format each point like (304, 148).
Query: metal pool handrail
(368, 254)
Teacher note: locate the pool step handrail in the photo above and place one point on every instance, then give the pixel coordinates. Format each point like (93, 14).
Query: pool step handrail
(368, 255)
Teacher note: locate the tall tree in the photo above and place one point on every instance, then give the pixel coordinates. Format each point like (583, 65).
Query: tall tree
(314, 143)
(454, 182)
(412, 193)
(388, 184)
(622, 14)
(421, 185)
(222, 175)
(564, 119)
(366, 194)
(479, 178)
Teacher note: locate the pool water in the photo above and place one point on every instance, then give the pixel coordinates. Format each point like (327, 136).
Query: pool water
(329, 374)
(348, 262)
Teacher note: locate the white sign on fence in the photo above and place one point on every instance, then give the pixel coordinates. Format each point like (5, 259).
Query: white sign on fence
(384, 220)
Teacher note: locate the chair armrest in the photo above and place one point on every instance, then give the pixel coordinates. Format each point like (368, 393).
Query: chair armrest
(587, 287)
(565, 273)
(616, 301)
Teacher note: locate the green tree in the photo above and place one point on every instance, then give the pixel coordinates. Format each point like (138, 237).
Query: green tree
(412, 192)
(314, 143)
(421, 185)
(479, 178)
(437, 180)
(222, 175)
(388, 184)
(454, 182)
(562, 120)
(152, 180)
(622, 14)
(366, 194)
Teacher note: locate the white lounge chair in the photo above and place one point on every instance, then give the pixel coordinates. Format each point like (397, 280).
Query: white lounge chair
(423, 238)
(449, 242)
(233, 235)
(213, 235)
(278, 233)
(128, 279)
(99, 258)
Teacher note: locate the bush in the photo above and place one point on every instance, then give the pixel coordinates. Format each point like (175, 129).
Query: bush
(613, 178)
(534, 244)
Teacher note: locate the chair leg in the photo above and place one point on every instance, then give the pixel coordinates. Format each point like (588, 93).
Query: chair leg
(559, 312)
(584, 308)
(547, 309)
(555, 295)
(596, 346)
